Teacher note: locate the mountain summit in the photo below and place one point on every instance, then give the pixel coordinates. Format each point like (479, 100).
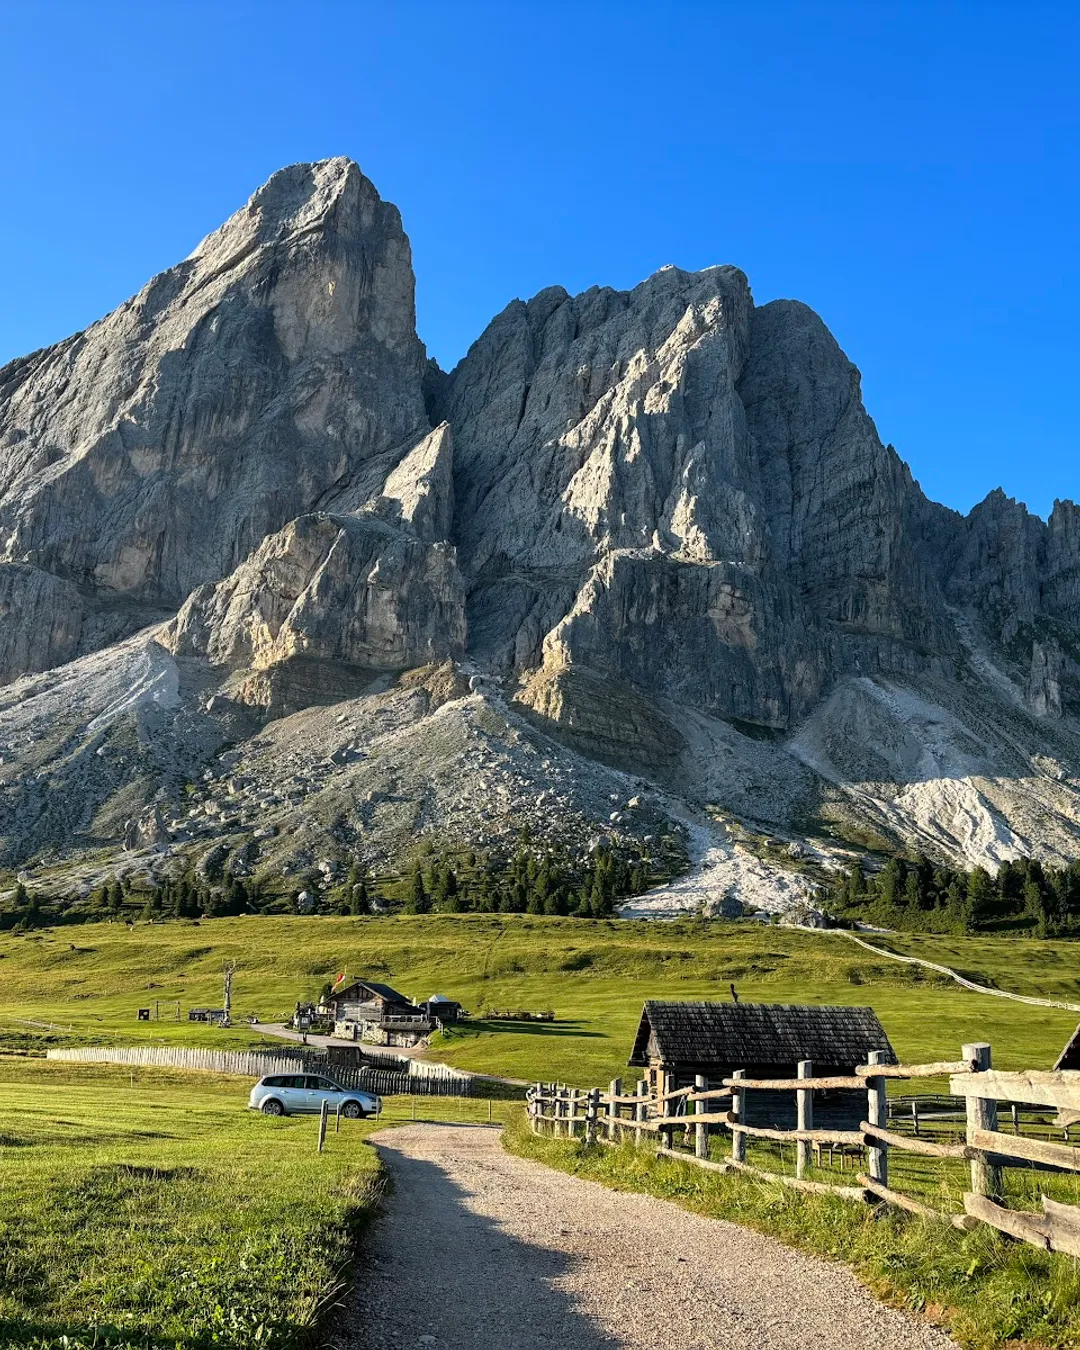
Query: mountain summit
(639, 545)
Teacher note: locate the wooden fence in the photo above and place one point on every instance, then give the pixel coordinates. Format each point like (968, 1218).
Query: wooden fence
(701, 1111)
(257, 1063)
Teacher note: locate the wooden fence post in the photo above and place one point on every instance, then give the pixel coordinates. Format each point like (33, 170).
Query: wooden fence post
(639, 1110)
(323, 1113)
(738, 1116)
(591, 1110)
(667, 1084)
(613, 1109)
(572, 1109)
(877, 1113)
(701, 1132)
(337, 1118)
(804, 1117)
(982, 1114)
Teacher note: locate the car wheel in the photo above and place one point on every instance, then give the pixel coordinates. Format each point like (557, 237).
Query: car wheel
(353, 1111)
(272, 1107)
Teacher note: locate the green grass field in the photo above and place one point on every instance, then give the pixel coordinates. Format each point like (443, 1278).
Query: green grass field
(84, 984)
(149, 1208)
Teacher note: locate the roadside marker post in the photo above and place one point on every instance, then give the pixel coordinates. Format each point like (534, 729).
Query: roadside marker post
(323, 1113)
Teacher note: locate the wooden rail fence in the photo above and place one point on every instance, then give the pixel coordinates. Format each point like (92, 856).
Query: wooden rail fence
(701, 1111)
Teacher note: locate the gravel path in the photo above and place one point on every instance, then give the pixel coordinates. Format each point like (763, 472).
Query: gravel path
(479, 1250)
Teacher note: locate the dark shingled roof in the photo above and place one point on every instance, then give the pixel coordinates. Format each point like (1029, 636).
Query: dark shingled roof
(382, 990)
(734, 1034)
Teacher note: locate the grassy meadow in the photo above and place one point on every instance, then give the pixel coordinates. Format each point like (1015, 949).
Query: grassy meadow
(82, 985)
(147, 1208)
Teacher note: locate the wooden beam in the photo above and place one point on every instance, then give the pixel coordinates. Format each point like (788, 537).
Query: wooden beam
(615, 1094)
(807, 1136)
(938, 1070)
(670, 1096)
(1064, 1224)
(706, 1118)
(986, 1179)
(814, 1187)
(701, 1122)
(691, 1158)
(738, 1113)
(877, 1113)
(913, 1144)
(804, 1116)
(794, 1084)
(640, 1111)
(1031, 1228)
(1041, 1087)
(1023, 1146)
(901, 1201)
(650, 1125)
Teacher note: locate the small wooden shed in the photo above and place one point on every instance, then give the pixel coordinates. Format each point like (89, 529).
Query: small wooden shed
(441, 1009)
(676, 1042)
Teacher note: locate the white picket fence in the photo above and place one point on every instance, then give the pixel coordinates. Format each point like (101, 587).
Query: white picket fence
(413, 1076)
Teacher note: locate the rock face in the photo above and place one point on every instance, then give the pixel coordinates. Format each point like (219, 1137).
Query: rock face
(653, 530)
(377, 591)
(153, 452)
(685, 492)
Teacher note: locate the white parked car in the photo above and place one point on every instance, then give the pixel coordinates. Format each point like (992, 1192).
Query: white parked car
(289, 1094)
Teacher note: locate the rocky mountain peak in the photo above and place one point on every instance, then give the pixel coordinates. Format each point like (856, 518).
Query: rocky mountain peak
(153, 452)
(657, 526)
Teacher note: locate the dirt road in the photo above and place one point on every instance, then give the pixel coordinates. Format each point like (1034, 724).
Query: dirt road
(478, 1250)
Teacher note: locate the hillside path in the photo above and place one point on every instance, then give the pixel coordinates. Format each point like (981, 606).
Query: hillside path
(480, 1250)
(961, 980)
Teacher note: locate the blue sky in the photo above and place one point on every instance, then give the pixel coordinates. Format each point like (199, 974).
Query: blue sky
(910, 170)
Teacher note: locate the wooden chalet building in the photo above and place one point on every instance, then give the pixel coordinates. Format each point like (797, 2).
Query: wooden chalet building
(363, 1010)
(677, 1041)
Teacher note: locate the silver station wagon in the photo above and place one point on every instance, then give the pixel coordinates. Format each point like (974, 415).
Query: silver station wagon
(290, 1094)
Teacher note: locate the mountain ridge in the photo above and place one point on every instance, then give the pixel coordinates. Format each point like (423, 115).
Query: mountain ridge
(655, 527)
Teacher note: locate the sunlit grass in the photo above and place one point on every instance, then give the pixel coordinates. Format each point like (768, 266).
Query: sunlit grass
(87, 982)
(149, 1207)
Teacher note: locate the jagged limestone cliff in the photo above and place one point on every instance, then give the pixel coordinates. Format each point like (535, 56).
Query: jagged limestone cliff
(649, 533)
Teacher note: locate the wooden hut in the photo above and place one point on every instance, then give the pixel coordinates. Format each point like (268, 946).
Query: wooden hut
(676, 1042)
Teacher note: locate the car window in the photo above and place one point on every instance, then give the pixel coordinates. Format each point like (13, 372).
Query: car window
(314, 1083)
(294, 1082)
(272, 1082)
(328, 1086)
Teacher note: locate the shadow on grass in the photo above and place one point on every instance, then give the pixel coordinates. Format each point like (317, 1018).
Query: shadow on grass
(561, 1028)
